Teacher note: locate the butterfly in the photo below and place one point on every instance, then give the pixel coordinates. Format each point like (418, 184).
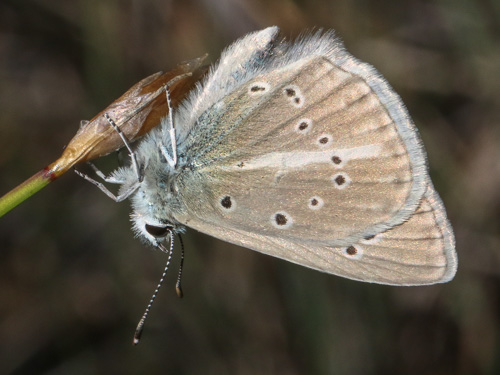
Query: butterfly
(300, 151)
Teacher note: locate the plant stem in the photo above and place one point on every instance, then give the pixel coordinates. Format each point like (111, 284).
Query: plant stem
(25, 190)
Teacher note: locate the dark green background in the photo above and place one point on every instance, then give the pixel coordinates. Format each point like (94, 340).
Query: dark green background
(74, 281)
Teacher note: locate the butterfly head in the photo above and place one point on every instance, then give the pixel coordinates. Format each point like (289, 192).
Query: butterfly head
(151, 229)
(153, 203)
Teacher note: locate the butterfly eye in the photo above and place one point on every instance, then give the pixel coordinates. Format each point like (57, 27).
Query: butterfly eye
(156, 231)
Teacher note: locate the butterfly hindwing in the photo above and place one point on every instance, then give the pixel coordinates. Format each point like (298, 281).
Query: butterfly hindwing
(416, 252)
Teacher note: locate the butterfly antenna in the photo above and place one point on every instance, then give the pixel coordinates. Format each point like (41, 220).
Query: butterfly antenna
(131, 153)
(178, 287)
(140, 326)
(172, 160)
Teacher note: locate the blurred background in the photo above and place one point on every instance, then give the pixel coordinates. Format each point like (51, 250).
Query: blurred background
(74, 281)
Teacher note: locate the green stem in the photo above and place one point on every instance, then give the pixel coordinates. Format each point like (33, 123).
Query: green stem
(29, 187)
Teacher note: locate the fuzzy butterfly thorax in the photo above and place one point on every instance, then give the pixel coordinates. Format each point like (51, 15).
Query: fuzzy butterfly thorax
(300, 151)
(154, 198)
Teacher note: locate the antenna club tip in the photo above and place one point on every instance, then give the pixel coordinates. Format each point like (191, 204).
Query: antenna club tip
(179, 291)
(138, 334)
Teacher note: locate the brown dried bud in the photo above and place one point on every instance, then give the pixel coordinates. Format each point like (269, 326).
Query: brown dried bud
(136, 112)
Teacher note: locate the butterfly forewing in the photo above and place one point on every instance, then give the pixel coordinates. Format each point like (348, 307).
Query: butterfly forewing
(311, 153)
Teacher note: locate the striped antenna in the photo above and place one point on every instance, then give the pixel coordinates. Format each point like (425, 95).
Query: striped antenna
(140, 326)
(178, 287)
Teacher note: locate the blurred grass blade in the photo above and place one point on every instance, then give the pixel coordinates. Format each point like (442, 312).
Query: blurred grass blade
(136, 112)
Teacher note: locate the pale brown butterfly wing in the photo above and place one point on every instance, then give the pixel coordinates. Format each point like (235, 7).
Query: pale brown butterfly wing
(419, 251)
(307, 152)
(302, 152)
(416, 252)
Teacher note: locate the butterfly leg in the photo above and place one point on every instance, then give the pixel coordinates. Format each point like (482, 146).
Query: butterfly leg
(112, 179)
(172, 160)
(108, 179)
(131, 153)
(105, 190)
